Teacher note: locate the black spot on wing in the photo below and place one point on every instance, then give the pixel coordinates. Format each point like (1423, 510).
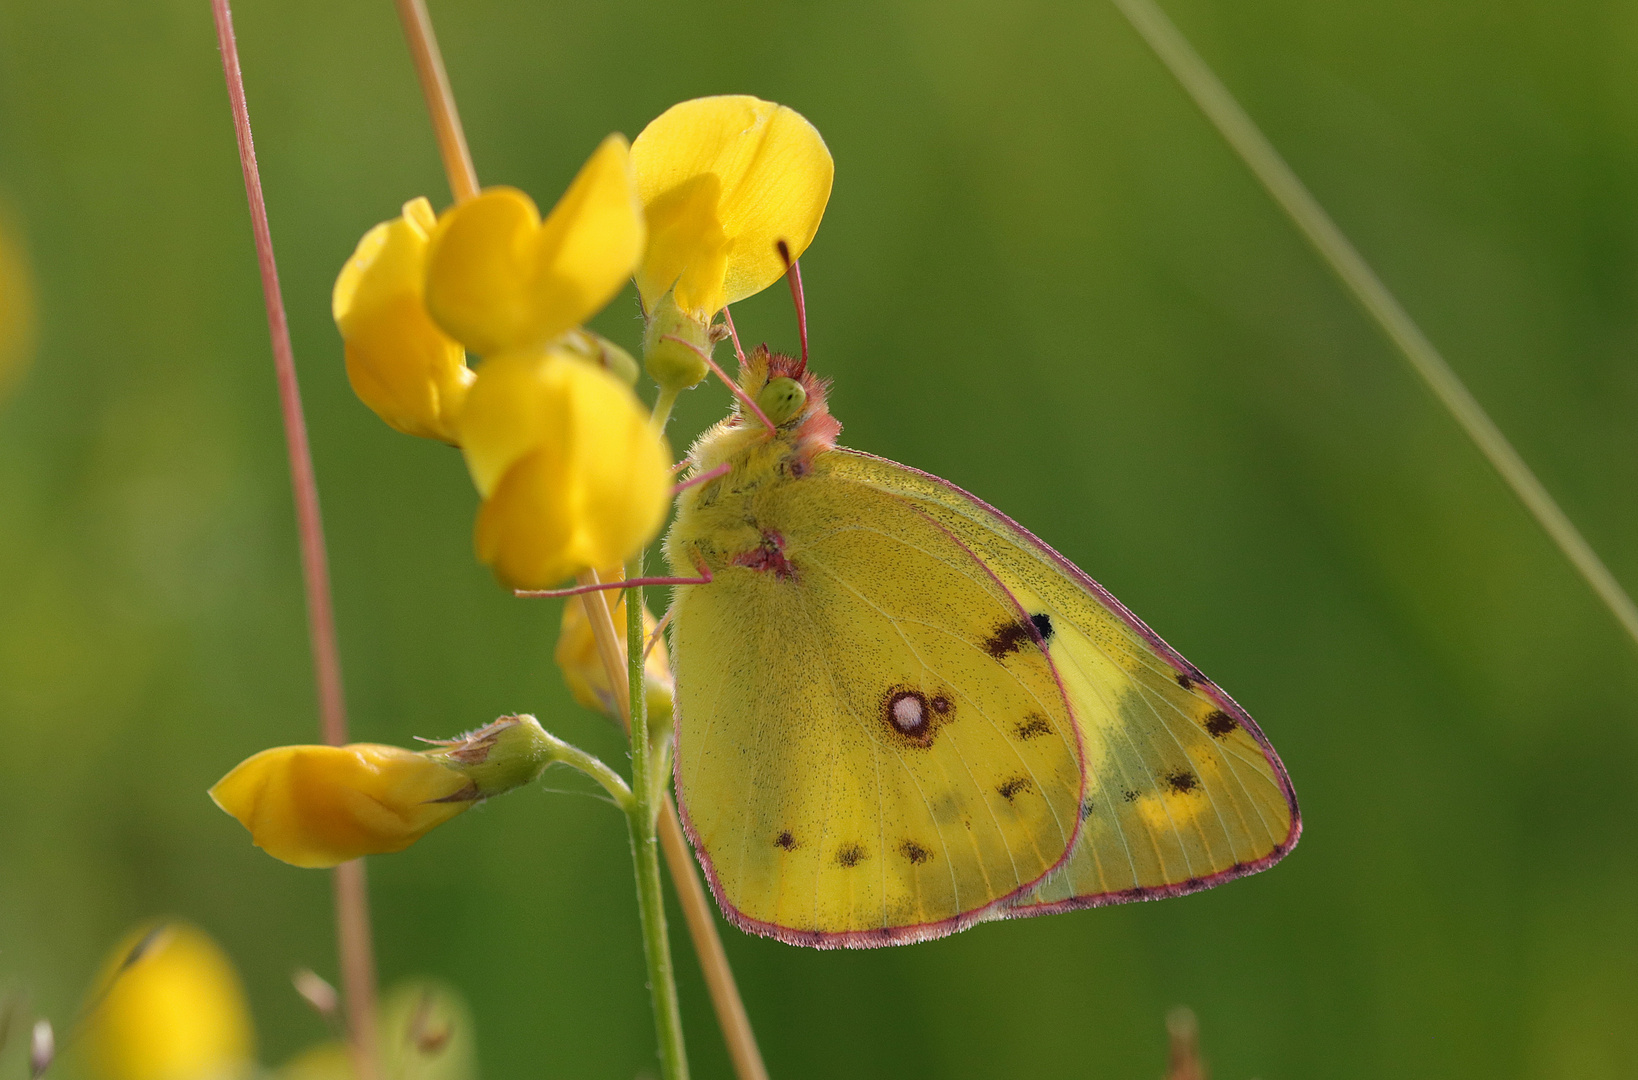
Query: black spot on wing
(785, 840)
(1220, 723)
(1086, 809)
(1182, 781)
(1043, 625)
(851, 855)
(1185, 681)
(1008, 638)
(914, 852)
(1129, 796)
(1032, 726)
(1010, 789)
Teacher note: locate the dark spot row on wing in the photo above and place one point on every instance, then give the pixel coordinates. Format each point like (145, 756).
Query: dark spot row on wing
(1181, 781)
(914, 852)
(785, 840)
(850, 855)
(1086, 809)
(1033, 726)
(1009, 789)
(1220, 723)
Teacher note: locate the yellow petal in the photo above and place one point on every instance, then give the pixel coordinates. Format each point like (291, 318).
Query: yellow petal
(499, 279)
(318, 806)
(168, 1006)
(573, 474)
(723, 180)
(400, 364)
(582, 666)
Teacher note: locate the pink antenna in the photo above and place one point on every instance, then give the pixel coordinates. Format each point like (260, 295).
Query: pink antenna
(793, 274)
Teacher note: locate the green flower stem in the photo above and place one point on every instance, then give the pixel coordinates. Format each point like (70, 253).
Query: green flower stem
(663, 406)
(645, 849)
(593, 767)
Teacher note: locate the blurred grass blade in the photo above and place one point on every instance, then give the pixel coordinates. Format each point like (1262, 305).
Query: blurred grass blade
(1247, 140)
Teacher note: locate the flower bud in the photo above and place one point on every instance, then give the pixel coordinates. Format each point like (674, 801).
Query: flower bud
(599, 351)
(168, 1005)
(320, 806)
(400, 364)
(666, 339)
(500, 756)
(582, 666)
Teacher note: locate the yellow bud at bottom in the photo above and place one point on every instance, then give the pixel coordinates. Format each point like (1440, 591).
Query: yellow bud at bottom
(582, 665)
(320, 806)
(168, 1006)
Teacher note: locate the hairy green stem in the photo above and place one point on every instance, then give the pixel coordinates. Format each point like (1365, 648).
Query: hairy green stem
(645, 849)
(1292, 196)
(662, 408)
(572, 755)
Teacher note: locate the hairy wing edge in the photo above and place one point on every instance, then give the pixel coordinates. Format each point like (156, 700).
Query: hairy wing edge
(1013, 909)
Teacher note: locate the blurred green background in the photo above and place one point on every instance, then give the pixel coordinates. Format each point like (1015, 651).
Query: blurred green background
(1041, 276)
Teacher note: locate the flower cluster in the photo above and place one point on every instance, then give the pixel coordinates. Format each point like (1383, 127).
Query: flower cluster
(707, 207)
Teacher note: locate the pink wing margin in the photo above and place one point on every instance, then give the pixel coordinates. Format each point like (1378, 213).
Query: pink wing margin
(1013, 909)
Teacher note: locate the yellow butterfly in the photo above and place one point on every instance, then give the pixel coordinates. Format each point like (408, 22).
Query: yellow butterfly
(899, 713)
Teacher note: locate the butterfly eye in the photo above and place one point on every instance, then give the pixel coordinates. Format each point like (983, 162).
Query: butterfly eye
(782, 399)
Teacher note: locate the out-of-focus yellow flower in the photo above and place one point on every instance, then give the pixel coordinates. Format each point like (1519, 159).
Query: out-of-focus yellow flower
(582, 667)
(400, 363)
(330, 1060)
(168, 1006)
(319, 806)
(424, 1032)
(16, 309)
(723, 180)
(572, 473)
(500, 279)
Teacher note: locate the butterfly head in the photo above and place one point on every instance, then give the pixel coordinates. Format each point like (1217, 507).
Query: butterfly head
(792, 397)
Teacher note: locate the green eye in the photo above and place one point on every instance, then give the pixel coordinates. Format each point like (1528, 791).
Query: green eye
(782, 399)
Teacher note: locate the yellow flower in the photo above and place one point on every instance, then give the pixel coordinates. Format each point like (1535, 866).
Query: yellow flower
(168, 1006)
(572, 473)
(723, 180)
(500, 279)
(16, 310)
(582, 666)
(319, 806)
(400, 364)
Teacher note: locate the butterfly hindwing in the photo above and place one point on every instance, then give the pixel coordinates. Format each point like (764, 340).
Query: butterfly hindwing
(872, 743)
(1182, 791)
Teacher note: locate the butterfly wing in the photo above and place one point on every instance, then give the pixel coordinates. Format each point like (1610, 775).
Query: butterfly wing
(870, 748)
(1183, 790)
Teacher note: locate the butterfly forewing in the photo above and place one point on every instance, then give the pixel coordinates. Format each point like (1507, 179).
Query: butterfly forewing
(872, 744)
(1182, 789)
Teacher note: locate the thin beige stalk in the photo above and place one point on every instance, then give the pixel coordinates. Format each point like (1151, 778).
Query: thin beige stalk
(1265, 162)
(446, 122)
(352, 904)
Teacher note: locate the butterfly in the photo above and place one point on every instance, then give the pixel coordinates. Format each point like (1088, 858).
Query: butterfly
(898, 713)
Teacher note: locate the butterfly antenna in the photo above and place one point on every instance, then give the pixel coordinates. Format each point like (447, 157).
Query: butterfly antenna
(793, 275)
(733, 335)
